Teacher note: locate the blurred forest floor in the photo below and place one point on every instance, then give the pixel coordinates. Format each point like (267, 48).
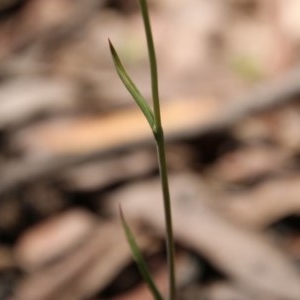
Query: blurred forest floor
(73, 146)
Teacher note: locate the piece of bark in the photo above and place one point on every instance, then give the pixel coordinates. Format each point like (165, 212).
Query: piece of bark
(246, 256)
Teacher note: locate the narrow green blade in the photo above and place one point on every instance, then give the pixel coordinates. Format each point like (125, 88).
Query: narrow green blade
(131, 87)
(138, 257)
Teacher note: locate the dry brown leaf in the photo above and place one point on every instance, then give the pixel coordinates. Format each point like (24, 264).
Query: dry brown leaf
(186, 271)
(23, 99)
(96, 175)
(53, 238)
(266, 203)
(226, 291)
(244, 255)
(249, 163)
(86, 270)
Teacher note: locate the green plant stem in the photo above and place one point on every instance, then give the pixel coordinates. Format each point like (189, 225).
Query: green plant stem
(159, 137)
(160, 142)
(154, 120)
(153, 64)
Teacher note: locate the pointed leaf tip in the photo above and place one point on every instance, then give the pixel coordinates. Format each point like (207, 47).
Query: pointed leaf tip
(110, 45)
(131, 87)
(138, 257)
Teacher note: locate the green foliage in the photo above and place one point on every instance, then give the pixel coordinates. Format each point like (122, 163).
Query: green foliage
(131, 87)
(154, 120)
(138, 257)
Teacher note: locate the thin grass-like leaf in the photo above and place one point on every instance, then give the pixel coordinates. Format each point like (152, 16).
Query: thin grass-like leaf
(138, 257)
(154, 119)
(131, 87)
(152, 61)
(159, 137)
